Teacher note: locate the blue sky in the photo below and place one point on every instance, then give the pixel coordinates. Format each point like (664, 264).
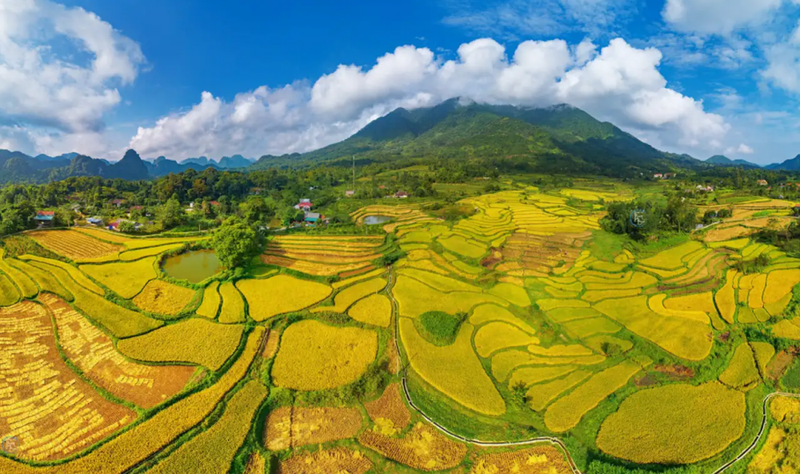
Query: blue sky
(188, 78)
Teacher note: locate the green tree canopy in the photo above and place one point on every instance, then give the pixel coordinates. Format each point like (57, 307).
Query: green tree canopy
(235, 243)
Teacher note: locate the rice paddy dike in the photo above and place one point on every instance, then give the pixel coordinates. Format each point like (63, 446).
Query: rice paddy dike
(521, 338)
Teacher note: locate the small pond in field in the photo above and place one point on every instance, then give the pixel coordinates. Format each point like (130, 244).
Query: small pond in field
(194, 266)
(373, 220)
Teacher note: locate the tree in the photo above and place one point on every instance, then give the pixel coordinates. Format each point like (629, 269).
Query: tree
(127, 227)
(172, 214)
(256, 210)
(235, 243)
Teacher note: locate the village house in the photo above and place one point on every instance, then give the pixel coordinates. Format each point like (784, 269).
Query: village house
(304, 204)
(658, 176)
(400, 195)
(45, 218)
(763, 182)
(117, 202)
(349, 193)
(96, 221)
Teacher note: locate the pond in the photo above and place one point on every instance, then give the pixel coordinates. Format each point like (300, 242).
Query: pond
(194, 266)
(373, 220)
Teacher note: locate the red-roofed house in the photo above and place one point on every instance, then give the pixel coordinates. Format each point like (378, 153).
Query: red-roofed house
(215, 203)
(304, 204)
(117, 202)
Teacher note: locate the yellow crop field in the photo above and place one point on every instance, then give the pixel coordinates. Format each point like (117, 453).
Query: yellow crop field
(683, 337)
(560, 350)
(439, 282)
(764, 352)
(338, 460)
(211, 301)
(232, 311)
(636, 281)
(565, 413)
(415, 298)
(194, 341)
(375, 310)
(497, 336)
(43, 278)
(461, 246)
(126, 279)
(454, 370)
(541, 395)
(656, 304)
(674, 424)
(787, 328)
(755, 298)
(583, 328)
(132, 255)
(271, 297)
(161, 297)
(356, 279)
(35, 383)
(779, 284)
(537, 460)
(528, 376)
(696, 302)
(507, 361)
(513, 293)
(213, 450)
(312, 268)
(74, 273)
(121, 322)
(315, 356)
(23, 281)
(742, 372)
(74, 245)
(563, 315)
(345, 298)
(737, 244)
(489, 312)
(670, 259)
(785, 409)
(593, 296)
(726, 299)
(94, 354)
(8, 292)
(423, 448)
(549, 305)
(599, 342)
(141, 441)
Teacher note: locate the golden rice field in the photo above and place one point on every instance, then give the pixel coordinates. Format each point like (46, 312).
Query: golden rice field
(674, 424)
(193, 341)
(423, 448)
(293, 427)
(375, 310)
(315, 356)
(269, 297)
(232, 311)
(339, 460)
(211, 301)
(126, 279)
(161, 297)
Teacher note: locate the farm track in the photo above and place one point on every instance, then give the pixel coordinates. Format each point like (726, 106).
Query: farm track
(549, 439)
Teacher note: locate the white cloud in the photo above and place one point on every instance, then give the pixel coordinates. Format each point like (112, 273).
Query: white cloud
(742, 149)
(717, 16)
(621, 84)
(39, 87)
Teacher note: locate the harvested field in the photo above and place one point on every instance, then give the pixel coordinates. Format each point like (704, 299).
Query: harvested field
(389, 412)
(74, 245)
(315, 356)
(423, 448)
(538, 460)
(63, 415)
(267, 298)
(194, 341)
(161, 297)
(296, 427)
(454, 370)
(674, 424)
(94, 354)
(338, 460)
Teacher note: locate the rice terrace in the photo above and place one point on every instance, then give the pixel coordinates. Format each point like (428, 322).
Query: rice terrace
(525, 335)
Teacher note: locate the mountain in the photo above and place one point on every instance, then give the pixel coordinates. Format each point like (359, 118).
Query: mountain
(235, 161)
(65, 156)
(162, 166)
(788, 165)
(554, 139)
(721, 160)
(202, 161)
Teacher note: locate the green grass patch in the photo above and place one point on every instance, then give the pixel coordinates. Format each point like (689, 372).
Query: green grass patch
(438, 327)
(791, 380)
(606, 245)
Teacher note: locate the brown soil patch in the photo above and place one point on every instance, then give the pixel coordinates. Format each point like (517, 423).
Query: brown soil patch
(423, 448)
(51, 410)
(271, 347)
(394, 359)
(647, 380)
(389, 412)
(779, 364)
(677, 372)
(538, 460)
(295, 427)
(357, 272)
(93, 352)
(332, 461)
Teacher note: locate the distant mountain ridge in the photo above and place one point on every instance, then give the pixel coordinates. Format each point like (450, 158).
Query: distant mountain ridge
(721, 160)
(792, 164)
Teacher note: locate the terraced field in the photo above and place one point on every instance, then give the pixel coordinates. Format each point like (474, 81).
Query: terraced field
(522, 325)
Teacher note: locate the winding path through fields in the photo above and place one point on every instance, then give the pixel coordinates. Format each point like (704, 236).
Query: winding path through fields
(549, 439)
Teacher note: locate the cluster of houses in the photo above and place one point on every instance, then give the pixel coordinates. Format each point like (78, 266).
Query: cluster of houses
(664, 176)
(310, 218)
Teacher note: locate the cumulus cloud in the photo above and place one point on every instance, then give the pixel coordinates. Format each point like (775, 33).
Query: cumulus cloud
(742, 149)
(717, 16)
(620, 83)
(42, 88)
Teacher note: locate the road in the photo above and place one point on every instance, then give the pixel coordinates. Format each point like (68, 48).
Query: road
(549, 439)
